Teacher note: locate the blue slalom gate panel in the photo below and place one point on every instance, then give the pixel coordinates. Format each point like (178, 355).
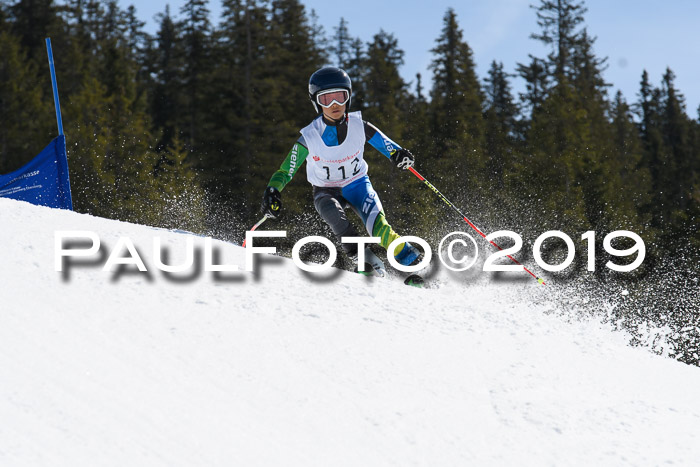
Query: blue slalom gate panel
(44, 180)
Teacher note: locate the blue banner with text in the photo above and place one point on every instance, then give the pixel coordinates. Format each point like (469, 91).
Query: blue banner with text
(44, 180)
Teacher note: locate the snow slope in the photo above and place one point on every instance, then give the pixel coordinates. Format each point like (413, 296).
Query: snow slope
(278, 368)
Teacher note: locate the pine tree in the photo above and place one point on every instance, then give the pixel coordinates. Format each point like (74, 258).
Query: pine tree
(293, 55)
(633, 197)
(386, 106)
(180, 200)
(116, 71)
(31, 21)
(569, 138)
(416, 134)
(537, 85)
(416, 205)
(657, 156)
(598, 177)
(671, 158)
(265, 54)
(678, 138)
(294, 58)
(558, 21)
(318, 33)
(678, 135)
(87, 126)
(357, 70)
(350, 54)
(196, 34)
(166, 97)
(341, 47)
(139, 49)
(501, 125)
(386, 93)
(456, 109)
(241, 93)
(74, 56)
(649, 108)
(26, 123)
(694, 209)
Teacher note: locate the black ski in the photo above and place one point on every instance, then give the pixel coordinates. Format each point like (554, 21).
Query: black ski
(414, 280)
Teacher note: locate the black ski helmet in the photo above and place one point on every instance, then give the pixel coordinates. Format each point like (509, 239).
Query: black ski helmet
(328, 78)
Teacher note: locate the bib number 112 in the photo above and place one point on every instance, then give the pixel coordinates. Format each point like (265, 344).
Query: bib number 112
(355, 169)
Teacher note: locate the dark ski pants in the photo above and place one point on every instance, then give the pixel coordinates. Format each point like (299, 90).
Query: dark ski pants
(331, 202)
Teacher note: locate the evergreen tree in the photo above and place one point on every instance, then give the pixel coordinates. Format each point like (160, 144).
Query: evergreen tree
(238, 96)
(179, 199)
(341, 47)
(678, 138)
(656, 155)
(537, 77)
(456, 109)
(87, 126)
(356, 69)
(694, 209)
(649, 108)
(633, 196)
(196, 31)
(116, 70)
(385, 90)
(587, 72)
(166, 96)
(599, 179)
(416, 134)
(26, 125)
(31, 21)
(318, 32)
(559, 21)
(419, 88)
(501, 125)
(94, 23)
(75, 56)
(294, 54)
(139, 49)
(671, 158)
(386, 105)
(416, 205)
(569, 139)
(350, 54)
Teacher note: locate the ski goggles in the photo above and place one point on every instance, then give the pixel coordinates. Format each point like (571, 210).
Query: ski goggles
(326, 98)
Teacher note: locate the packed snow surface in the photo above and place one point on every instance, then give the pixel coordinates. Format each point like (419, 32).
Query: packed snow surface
(278, 367)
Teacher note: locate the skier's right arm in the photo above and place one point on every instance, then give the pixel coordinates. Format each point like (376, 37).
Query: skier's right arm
(291, 164)
(271, 198)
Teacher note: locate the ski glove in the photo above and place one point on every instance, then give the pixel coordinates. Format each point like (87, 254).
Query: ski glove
(403, 158)
(272, 202)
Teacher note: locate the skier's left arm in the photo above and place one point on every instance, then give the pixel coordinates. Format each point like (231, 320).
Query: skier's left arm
(402, 157)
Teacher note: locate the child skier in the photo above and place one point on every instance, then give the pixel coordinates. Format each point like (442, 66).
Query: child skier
(337, 170)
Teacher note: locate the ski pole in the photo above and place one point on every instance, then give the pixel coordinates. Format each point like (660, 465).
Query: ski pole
(449, 203)
(260, 222)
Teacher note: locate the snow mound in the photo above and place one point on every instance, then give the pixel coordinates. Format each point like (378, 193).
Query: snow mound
(281, 368)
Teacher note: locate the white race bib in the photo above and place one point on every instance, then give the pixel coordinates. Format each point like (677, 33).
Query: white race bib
(335, 166)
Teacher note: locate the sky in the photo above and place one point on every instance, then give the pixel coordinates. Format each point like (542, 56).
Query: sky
(633, 34)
